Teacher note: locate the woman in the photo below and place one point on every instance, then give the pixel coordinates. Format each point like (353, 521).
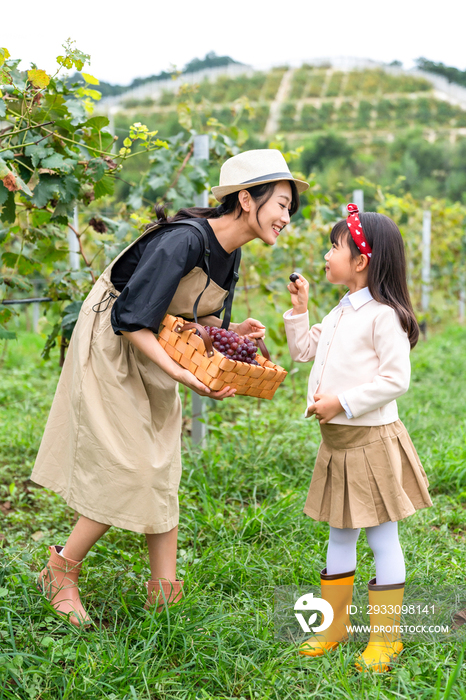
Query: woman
(111, 446)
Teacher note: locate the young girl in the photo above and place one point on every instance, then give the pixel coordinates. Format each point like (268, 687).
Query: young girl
(367, 473)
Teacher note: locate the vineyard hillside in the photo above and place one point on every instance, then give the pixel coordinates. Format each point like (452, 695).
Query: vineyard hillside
(375, 121)
(313, 98)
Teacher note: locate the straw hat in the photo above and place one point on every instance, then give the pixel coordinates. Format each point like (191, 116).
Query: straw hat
(253, 168)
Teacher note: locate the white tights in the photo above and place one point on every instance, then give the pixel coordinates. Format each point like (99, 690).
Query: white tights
(385, 545)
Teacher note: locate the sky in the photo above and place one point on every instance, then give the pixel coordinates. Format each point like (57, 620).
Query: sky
(126, 41)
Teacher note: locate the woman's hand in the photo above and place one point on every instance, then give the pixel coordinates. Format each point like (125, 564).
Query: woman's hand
(185, 377)
(299, 291)
(147, 343)
(326, 407)
(249, 327)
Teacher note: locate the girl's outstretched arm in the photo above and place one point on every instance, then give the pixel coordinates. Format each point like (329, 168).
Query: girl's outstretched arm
(299, 291)
(302, 340)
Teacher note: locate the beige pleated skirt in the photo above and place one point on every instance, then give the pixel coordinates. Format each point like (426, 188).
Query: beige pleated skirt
(365, 476)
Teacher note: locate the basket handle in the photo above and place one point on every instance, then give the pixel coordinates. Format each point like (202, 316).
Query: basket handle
(208, 340)
(263, 349)
(202, 332)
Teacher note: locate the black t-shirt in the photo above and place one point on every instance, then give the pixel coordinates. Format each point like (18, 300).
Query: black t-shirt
(148, 274)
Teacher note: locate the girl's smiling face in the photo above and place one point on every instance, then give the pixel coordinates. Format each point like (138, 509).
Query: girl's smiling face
(339, 263)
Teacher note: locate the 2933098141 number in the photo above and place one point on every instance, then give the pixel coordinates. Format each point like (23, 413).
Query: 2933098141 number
(397, 609)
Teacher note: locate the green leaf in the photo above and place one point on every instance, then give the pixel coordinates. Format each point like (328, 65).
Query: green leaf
(49, 187)
(65, 124)
(58, 162)
(5, 314)
(9, 209)
(96, 169)
(50, 342)
(8, 155)
(6, 335)
(97, 123)
(77, 111)
(90, 79)
(70, 316)
(23, 264)
(38, 78)
(46, 189)
(23, 186)
(37, 153)
(104, 186)
(16, 281)
(69, 188)
(62, 213)
(100, 140)
(88, 92)
(4, 169)
(127, 142)
(3, 194)
(65, 61)
(2, 108)
(39, 217)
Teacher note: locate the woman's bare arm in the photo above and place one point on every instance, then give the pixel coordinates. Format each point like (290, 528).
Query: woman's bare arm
(145, 341)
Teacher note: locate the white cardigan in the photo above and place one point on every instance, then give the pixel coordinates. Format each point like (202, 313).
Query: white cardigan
(360, 351)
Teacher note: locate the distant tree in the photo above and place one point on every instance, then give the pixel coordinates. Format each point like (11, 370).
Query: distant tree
(325, 148)
(452, 74)
(211, 60)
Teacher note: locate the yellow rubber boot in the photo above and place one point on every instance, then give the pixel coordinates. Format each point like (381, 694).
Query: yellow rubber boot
(385, 639)
(336, 589)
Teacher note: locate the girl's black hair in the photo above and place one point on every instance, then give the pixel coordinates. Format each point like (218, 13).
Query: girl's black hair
(230, 205)
(387, 268)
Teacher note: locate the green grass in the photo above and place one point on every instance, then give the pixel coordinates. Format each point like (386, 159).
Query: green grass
(242, 533)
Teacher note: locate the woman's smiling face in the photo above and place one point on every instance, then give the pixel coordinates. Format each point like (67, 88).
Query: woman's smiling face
(268, 220)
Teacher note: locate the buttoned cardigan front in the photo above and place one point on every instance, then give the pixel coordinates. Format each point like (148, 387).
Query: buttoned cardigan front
(359, 351)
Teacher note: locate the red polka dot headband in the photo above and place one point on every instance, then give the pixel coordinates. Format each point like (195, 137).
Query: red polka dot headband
(357, 234)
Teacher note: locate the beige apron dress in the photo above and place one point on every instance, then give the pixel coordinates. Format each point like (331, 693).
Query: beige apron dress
(112, 443)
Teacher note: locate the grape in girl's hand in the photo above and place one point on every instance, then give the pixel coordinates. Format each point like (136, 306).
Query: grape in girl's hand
(294, 276)
(233, 345)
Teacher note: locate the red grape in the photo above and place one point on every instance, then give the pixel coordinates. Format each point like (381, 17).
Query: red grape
(232, 345)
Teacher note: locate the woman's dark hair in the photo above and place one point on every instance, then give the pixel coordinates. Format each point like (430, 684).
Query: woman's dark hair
(230, 205)
(387, 268)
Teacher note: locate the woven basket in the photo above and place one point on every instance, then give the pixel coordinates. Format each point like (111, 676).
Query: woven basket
(214, 369)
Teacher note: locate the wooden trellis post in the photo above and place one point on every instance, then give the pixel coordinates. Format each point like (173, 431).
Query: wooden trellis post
(426, 235)
(199, 428)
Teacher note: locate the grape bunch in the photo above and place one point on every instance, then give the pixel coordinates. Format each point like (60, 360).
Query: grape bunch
(232, 345)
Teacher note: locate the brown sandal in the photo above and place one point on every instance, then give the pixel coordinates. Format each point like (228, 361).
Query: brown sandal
(59, 583)
(163, 592)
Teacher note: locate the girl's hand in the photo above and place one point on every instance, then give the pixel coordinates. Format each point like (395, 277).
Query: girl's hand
(299, 291)
(249, 327)
(189, 380)
(326, 407)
